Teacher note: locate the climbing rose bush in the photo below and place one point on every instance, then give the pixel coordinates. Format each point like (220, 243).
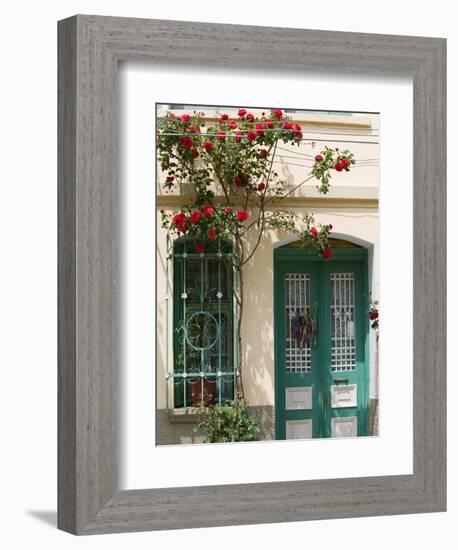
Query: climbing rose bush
(374, 314)
(238, 155)
(233, 159)
(329, 160)
(205, 222)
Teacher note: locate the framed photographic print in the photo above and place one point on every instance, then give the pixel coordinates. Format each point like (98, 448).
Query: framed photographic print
(251, 274)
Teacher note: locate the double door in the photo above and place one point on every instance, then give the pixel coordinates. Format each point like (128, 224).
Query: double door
(321, 348)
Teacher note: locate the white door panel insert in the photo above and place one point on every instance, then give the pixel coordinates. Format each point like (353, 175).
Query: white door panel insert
(299, 429)
(298, 398)
(344, 426)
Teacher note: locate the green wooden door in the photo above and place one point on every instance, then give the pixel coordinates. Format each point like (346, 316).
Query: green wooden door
(322, 385)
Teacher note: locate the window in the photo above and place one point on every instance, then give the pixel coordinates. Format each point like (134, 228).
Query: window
(343, 352)
(202, 324)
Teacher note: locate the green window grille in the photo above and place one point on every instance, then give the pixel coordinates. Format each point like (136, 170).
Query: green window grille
(203, 345)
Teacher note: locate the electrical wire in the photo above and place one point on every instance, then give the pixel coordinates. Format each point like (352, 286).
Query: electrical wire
(298, 139)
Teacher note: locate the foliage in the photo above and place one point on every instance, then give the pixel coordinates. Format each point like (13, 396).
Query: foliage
(312, 237)
(331, 159)
(235, 158)
(229, 423)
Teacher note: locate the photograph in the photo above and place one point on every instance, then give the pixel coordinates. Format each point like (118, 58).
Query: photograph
(267, 273)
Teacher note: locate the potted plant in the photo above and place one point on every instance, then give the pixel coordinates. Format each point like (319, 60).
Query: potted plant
(209, 392)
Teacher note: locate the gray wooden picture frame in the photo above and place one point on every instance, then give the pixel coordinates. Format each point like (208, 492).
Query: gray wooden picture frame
(90, 49)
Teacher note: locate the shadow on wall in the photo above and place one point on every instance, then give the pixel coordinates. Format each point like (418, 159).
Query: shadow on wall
(258, 324)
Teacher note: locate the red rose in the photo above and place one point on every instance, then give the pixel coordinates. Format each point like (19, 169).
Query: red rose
(179, 221)
(192, 130)
(211, 234)
(171, 115)
(338, 166)
(277, 113)
(232, 124)
(224, 117)
(208, 211)
(170, 179)
(251, 136)
(195, 153)
(297, 131)
(208, 146)
(345, 163)
(199, 248)
(250, 116)
(327, 252)
(261, 186)
(195, 217)
(242, 112)
(330, 227)
(263, 153)
(269, 123)
(318, 158)
(260, 128)
(288, 125)
(242, 215)
(186, 142)
(238, 137)
(179, 218)
(337, 148)
(238, 180)
(185, 118)
(220, 135)
(373, 315)
(313, 232)
(227, 210)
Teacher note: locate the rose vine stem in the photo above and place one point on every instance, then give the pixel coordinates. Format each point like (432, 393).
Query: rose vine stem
(240, 252)
(261, 220)
(238, 293)
(240, 262)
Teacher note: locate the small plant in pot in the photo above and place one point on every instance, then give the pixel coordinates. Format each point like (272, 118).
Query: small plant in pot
(209, 391)
(230, 422)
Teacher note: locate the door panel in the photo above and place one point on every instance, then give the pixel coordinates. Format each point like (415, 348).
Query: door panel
(297, 290)
(343, 350)
(321, 386)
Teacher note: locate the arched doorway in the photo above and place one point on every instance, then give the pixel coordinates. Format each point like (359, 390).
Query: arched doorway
(321, 342)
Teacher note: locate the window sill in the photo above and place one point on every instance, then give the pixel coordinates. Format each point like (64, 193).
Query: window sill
(183, 416)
